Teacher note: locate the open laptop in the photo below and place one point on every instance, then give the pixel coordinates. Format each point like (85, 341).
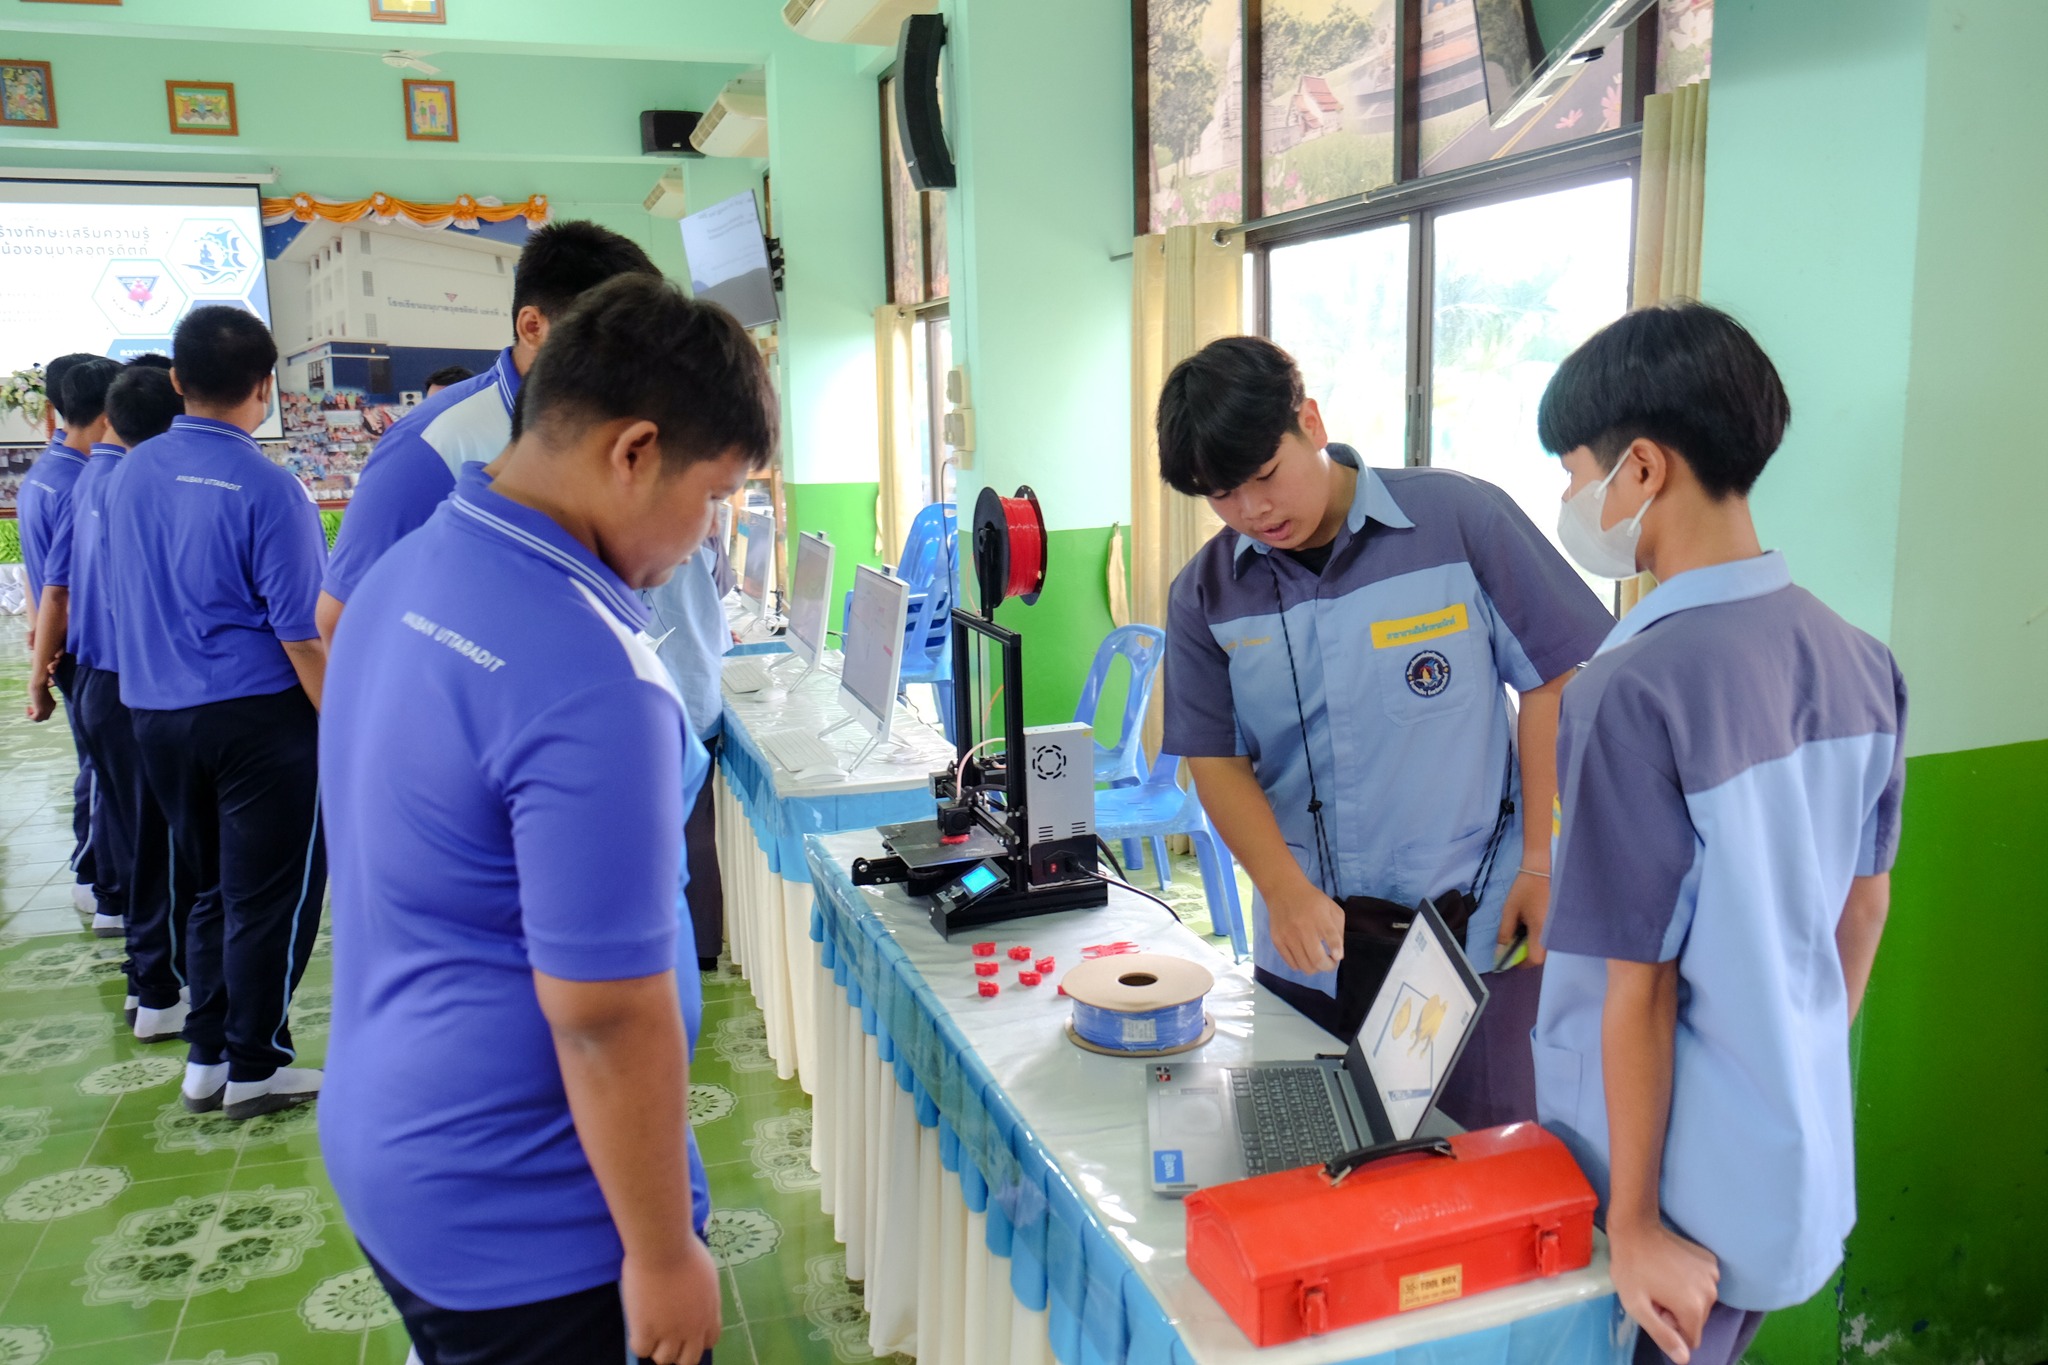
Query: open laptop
(1211, 1124)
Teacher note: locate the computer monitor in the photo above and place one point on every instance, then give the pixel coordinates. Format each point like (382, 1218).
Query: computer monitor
(809, 598)
(757, 566)
(874, 650)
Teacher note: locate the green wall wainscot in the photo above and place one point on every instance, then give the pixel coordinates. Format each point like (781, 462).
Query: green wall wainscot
(845, 512)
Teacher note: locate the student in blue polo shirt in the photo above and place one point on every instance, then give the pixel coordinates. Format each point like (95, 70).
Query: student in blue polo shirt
(508, 766)
(1731, 771)
(692, 636)
(216, 555)
(43, 509)
(140, 405)
(415, 463)
(1336, 673)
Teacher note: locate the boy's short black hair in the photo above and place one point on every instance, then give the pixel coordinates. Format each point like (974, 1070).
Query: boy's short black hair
(448, 374)
(53, 377)
(1684, 375)
(85, 390)
(155, 360)
(1223, 411)
(562, 260)
(221, 354)
(639, 347)
(141, 404)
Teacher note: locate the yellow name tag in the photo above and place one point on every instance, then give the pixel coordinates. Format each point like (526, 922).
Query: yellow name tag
(1432, 1286)
(1415, 629)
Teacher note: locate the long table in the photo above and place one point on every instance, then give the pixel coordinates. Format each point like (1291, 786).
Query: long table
(764, 812)
(989, 1179)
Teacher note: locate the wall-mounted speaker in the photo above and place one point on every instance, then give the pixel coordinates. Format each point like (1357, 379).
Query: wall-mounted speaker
(666, 132)
(920, 116)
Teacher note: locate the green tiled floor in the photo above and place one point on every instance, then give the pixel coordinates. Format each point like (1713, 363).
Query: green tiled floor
(133, 1233)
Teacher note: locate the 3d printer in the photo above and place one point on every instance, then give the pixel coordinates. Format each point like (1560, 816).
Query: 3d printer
(1015, 830)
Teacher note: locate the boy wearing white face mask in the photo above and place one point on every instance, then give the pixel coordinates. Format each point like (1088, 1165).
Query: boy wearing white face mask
(1730, 768)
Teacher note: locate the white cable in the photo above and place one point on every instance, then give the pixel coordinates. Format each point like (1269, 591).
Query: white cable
(960, 772)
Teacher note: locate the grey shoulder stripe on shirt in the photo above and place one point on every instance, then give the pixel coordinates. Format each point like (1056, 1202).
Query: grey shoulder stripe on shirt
(603, 590)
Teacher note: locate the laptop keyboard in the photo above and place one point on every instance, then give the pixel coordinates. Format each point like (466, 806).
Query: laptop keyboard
(1285, 1118)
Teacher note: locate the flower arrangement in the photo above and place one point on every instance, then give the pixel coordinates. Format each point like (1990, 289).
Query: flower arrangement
(22, 392)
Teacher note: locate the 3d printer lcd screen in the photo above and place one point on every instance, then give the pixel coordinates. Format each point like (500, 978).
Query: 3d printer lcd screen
(977, 881)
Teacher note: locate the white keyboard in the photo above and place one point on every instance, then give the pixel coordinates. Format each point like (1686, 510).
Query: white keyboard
(746, 674)
(797, 750)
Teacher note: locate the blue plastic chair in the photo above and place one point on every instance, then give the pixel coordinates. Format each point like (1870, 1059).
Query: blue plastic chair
(1123, 765)
(1143, 647)
(1160, 806)
(930, 565)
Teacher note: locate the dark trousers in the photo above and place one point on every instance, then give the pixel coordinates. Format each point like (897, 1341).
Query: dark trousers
(84, 866)
(1494, 1081)
(1727, 1335)
(239, 783)
(584, 1328)
(134, 854)
(705, 894)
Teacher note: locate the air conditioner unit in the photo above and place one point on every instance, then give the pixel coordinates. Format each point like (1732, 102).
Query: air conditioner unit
(736, 124)
(665, 200)
(874, 22)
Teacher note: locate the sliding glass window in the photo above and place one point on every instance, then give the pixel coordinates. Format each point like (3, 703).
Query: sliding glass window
(1429, 338)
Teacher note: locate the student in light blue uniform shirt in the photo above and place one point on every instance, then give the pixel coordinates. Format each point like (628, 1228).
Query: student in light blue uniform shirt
(1337, 669)
(43, 510)
(216, 555)
(416, 462)
(508, 766)
(691, 637)
(1731, 770)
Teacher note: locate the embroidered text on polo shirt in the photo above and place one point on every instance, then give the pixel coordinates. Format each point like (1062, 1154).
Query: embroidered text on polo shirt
(444, 635)
(210, 483)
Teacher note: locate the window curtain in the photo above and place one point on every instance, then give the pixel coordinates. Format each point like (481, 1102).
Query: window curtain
(1670, 209)
(1187, 289)
(896, 498)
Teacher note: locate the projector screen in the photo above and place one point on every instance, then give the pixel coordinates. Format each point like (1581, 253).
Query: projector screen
(111, 269)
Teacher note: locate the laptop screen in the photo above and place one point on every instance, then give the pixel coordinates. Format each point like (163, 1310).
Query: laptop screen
(1417, 1025)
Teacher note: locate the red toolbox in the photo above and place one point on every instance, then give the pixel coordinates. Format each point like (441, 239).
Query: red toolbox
(1293, 1254)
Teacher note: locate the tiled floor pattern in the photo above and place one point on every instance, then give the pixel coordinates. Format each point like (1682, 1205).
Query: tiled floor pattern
(133, 1233)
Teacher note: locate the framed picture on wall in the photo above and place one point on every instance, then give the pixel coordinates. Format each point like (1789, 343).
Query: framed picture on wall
(407, 11)
(430, 111)
(202, 108)
(28, 98)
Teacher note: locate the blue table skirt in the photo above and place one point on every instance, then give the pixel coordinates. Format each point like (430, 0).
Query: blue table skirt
(1061, 1258)
(781, 823)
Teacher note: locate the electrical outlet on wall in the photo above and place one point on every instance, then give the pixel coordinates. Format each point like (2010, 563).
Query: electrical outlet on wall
(958, 427)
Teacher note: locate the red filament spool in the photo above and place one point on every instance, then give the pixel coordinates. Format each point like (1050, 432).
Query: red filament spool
(1009, 546)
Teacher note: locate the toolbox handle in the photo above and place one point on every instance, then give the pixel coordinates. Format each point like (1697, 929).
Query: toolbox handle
(1336, 1168)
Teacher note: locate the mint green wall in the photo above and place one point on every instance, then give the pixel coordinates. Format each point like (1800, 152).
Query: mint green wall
(1970, 620)
(826, 155)
(1810, 240)
(1041, 313)
(653, 30)
(845, 512)
(1887, 255)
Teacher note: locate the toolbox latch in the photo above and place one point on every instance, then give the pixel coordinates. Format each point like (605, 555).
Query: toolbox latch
(1549, 1250)
(1315, 1307)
